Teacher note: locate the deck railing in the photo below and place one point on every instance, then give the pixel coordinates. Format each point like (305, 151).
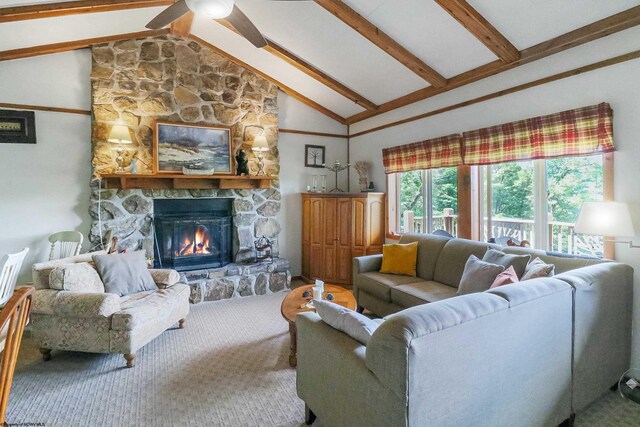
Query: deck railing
(561, 235)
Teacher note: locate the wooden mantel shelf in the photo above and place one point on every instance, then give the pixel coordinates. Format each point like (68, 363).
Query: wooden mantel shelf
(184, 182)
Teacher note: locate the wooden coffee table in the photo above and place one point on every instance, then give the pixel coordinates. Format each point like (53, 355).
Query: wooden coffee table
(291, 307)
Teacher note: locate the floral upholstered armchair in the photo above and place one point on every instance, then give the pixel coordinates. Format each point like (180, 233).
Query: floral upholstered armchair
(72, 312)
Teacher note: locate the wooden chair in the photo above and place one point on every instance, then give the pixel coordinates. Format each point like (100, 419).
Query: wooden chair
(9, 269)
(69, 243)
(13, 319)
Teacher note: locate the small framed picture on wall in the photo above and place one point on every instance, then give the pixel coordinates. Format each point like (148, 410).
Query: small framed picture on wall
(314, 156)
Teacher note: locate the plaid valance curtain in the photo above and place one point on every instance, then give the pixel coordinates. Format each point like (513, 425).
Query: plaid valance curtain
(582, 131)
(430, 154)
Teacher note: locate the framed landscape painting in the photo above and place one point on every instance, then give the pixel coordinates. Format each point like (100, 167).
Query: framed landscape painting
(192, 146)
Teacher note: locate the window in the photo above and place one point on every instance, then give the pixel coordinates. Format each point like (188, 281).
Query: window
(539, 201)
(426, 201)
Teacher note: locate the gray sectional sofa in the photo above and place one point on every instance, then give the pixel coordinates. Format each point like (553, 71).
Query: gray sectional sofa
(531, 353)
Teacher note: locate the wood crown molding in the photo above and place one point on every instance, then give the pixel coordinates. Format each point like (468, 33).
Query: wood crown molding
(306, 132)
(340, 10)
(46, 49)
(574, 72)
(41, 108)
(310, 70)
(286, 89)
(604, 27)
(482, 29)
(50, 10)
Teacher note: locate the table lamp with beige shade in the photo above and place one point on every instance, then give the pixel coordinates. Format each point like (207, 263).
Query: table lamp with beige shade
(120, 135)
(260, 146)
(610, 219)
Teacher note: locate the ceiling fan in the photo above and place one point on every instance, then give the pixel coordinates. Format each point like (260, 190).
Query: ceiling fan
(213, 9)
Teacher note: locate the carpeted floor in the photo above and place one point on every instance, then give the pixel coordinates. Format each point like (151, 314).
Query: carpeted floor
(228, 367)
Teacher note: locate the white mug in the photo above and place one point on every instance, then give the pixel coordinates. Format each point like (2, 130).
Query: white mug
(317, 293)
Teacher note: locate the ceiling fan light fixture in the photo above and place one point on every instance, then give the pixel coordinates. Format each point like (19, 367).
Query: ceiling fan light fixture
(212, 9)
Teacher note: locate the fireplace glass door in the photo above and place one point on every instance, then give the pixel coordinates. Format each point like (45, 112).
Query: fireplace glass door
(196, 242)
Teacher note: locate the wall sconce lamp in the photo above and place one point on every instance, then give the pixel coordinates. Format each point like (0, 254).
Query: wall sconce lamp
(260, 146)
(606, 219)
(120, 135)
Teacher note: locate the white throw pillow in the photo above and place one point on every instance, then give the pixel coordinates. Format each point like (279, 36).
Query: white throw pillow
(77, 277)
(356, 325)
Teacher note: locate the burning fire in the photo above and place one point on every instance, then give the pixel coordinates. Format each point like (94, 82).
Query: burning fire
(200, 245)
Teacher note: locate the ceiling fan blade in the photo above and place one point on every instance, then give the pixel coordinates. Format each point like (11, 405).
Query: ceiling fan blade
(170, 14)
(245, 27)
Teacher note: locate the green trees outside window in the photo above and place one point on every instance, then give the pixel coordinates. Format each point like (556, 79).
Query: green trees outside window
(428, 200)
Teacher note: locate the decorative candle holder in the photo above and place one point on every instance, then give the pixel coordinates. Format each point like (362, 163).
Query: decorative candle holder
(337, 167)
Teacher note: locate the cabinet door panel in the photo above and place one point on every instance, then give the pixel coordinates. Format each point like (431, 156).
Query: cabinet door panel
(343, 273)
(316, 222)
(359, 226)
(316, 263)
(375, 222)
(330, 239)
(306, 220)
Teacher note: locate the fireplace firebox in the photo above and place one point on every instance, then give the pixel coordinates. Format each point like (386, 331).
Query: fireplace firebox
(193, 233)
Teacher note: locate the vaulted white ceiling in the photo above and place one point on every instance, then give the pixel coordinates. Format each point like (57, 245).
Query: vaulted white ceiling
(318, 37)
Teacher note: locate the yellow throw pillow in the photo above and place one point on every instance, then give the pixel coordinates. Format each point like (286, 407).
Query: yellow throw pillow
(400, 259)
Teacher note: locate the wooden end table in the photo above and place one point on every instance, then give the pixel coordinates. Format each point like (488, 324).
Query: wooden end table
(294, 300)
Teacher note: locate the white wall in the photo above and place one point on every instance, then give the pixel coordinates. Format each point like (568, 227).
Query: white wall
(294, 175)
(619, 85)
(44, 187)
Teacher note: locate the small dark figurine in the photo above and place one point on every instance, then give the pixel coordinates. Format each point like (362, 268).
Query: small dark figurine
(330, 297)
(243, 163)
(306, 294)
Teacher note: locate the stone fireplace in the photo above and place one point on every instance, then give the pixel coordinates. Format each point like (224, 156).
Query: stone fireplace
(174, 79)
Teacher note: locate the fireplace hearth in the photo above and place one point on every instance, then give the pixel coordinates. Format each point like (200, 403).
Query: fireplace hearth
(193, 233)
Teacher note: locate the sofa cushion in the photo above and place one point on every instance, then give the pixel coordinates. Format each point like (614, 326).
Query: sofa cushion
(125, 273)
(74, 304)
(507, 277)
(356, 325)
(79, 277)
(562, 264)
(164, 277)
(148, 306)
(421, 293)
(41, 271)
(399, 258)
(537, 268)
(478, 276)
(453, 258)
(429, 248)
(518, 262)
(380, 284)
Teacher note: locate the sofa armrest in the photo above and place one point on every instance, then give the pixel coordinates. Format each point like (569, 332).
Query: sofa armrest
(164, 278)
(334, 381)
(75, 304)
(366, 264)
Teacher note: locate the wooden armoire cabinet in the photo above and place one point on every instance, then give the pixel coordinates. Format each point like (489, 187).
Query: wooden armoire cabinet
(337, 227)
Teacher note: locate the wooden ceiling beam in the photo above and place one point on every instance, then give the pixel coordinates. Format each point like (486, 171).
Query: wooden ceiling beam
(286, 89)
(182, 26)
(482, 29)
(47, 49)
(604, 27)
(49, 10)
(311, 70)
(376, 36)
(559, 76)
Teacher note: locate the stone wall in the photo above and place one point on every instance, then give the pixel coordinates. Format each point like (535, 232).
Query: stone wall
(173, 79)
